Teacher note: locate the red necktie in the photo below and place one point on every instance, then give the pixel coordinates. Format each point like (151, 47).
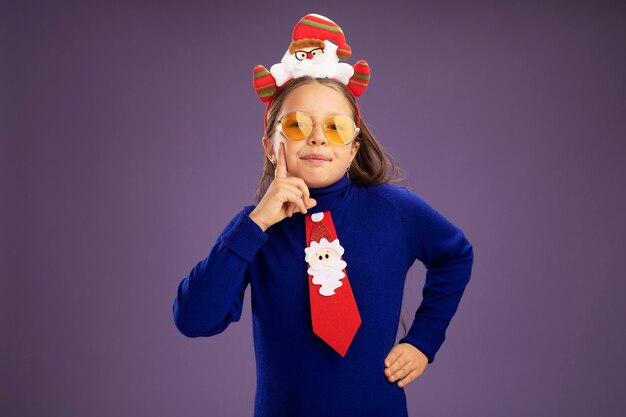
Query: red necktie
(334, 312)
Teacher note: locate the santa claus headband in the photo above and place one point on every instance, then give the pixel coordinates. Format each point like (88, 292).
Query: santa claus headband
(317, 46)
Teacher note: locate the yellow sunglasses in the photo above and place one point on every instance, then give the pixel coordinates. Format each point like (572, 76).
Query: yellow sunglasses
(297, 125)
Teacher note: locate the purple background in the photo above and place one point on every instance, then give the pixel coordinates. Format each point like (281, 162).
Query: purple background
(131, 135)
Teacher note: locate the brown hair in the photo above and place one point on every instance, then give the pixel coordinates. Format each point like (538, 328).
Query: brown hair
(305, 43)
(372, 164)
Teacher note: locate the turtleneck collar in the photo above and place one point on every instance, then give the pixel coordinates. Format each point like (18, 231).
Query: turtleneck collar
(330, 196)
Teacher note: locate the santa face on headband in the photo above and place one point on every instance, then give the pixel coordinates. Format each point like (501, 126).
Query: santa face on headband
(311, 57)
(317, 46)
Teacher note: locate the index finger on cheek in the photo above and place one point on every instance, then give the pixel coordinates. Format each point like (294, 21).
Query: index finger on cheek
(281, 164)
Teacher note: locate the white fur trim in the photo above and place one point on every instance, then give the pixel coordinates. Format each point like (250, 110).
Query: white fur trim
(323, 243)
(317, 217)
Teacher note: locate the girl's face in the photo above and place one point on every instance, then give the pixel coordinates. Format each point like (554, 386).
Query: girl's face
(316, 100)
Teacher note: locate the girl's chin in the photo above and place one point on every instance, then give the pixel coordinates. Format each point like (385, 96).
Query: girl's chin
(316, 181)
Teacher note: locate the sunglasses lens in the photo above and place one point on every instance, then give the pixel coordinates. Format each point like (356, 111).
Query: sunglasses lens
(340, 129)
(296, 125)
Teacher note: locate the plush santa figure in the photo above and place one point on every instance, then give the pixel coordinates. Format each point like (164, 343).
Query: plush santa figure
(317, 46)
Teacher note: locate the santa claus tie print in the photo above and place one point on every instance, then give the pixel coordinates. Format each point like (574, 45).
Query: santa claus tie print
(326, 265)
(334, 313)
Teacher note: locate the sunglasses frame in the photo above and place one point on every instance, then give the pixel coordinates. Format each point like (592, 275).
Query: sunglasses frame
(280, 127)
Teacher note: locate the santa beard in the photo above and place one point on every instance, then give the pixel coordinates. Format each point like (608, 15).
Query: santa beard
(320, 66)
(328, 275)
(299, 68)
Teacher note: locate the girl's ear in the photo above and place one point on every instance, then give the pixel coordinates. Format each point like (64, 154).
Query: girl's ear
(267, 146)
(355, 147)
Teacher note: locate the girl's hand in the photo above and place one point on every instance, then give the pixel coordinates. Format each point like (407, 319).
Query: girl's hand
(404, 364)
(285, 196)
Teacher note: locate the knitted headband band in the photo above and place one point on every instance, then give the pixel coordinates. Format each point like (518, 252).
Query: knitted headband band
(317, 46)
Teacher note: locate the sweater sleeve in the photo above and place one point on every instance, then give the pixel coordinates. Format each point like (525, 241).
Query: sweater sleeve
(211, 296)
(448, 257)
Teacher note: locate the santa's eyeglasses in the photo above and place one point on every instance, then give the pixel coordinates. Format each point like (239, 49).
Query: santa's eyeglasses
(302, 55)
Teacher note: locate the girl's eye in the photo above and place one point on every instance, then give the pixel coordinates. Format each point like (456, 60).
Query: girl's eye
(333, 127)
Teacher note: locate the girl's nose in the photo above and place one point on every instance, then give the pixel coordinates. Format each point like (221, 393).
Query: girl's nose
(309, 55)
(317, 136)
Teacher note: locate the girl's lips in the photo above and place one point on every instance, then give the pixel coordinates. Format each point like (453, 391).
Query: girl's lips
(315, 161)
(316, 157)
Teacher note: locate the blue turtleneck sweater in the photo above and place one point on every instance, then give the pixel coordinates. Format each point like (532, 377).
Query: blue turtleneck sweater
(383, 229)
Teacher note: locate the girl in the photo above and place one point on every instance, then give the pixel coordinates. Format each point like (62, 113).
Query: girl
(327, 211)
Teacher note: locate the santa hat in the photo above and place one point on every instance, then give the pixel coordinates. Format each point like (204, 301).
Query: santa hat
(323, 236)
(319, 27)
